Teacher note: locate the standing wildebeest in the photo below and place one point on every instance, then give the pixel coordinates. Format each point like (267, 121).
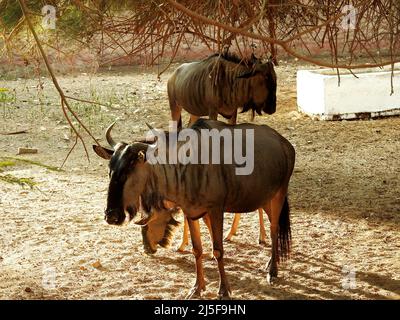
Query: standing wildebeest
(220, 84)
(199, 189)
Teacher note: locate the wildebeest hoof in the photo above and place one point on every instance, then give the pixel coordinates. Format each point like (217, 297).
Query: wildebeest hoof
(209, 256)
(224, 296)
(262, 242)
(271, 279)
(181, 248)
(195, 292)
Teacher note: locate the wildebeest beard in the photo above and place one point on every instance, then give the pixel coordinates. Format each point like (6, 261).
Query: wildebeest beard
(253, 107)
(269, 105)
(152, 200)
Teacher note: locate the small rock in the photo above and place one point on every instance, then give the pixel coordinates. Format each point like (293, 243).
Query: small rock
(27, 289)
(97, 264)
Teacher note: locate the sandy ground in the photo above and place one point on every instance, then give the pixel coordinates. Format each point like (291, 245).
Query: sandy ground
(54, 244)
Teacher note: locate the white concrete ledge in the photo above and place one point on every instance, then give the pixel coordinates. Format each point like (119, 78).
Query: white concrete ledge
(368, 96)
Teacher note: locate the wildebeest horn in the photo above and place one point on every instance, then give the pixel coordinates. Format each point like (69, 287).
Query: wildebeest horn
(154, 131)
(109, 139)
(150, 127)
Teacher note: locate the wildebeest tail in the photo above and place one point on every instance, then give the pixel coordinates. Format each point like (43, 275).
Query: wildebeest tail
(180, 123)
(285, 235)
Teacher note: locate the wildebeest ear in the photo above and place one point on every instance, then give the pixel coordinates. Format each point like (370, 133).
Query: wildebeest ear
(103, 152)
(141, 156)
(246, 75)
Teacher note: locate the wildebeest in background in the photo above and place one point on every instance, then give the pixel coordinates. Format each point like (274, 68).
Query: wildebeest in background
(221, 84)
(203, 189)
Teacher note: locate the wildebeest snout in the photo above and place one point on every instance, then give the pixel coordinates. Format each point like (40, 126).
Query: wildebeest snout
(114, 216)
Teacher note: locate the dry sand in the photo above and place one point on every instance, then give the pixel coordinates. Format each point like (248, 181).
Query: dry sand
(54, 244)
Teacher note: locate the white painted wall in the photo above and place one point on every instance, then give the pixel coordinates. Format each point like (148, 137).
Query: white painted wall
(319, 95)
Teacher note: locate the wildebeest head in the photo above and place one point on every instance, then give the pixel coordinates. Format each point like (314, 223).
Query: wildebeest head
(263, 85)
(128, 175)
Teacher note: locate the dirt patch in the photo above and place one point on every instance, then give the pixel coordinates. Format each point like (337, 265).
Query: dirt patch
(344, 196)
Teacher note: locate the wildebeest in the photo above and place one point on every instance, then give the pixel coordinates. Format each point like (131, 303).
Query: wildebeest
(199, 189)
(221, 84)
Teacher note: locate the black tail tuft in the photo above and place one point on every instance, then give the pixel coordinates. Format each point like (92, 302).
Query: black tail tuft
(180, 123)
(285, 235)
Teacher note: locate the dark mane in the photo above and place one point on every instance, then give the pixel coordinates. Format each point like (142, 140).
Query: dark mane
(232, 57)
(152, 200)
(151, 197)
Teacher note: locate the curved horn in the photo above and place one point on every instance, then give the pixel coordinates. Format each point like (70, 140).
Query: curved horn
(154, 131)
(149, 126)
(109, 139)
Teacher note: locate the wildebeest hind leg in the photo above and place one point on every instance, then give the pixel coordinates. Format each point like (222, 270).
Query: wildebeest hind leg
(200, 284)
(273, 209)
(235, 224)
(176, 113)
(185, 236)
(206, 219)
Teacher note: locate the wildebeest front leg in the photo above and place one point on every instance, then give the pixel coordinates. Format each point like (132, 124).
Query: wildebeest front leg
(200, 284)
(233, 118)
(217, 219)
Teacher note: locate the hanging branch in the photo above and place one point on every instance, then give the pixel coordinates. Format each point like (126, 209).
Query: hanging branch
(285, 44)
(64, 103)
